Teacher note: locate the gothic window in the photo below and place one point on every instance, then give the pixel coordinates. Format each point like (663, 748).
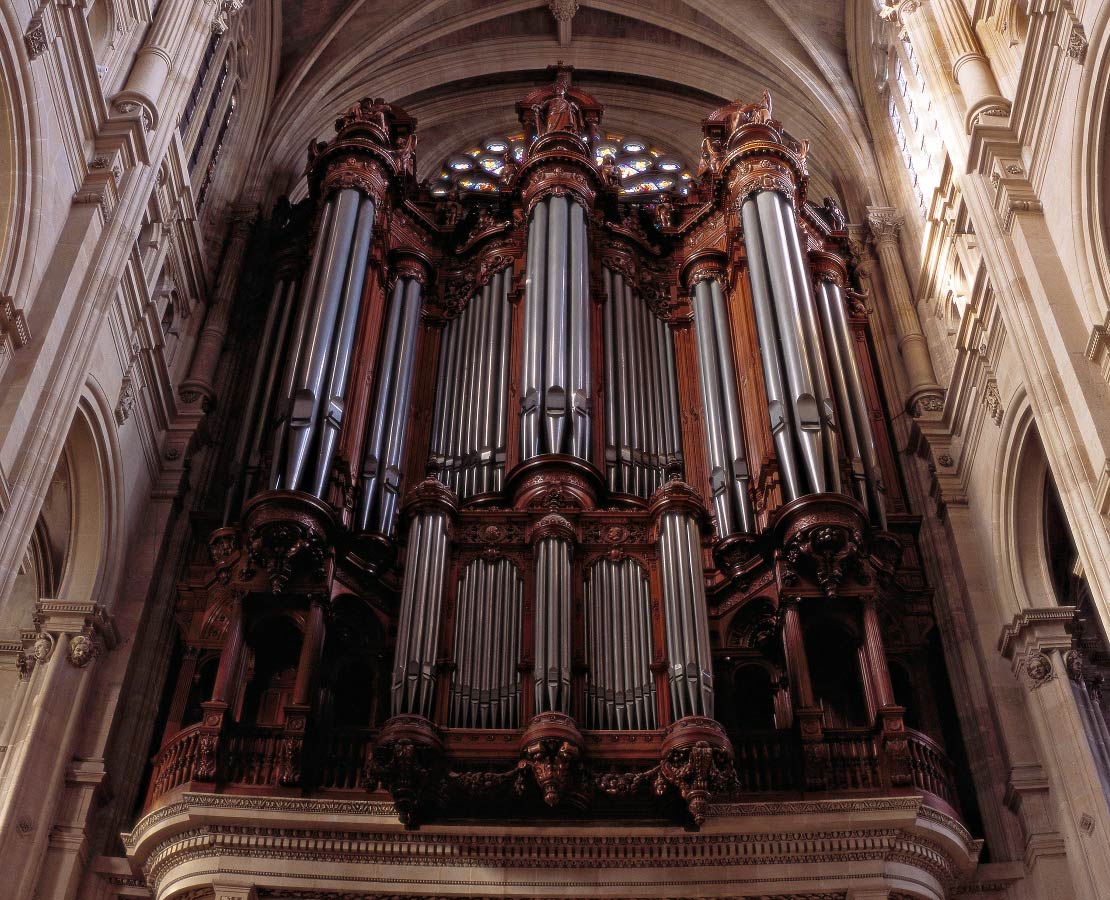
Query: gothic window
(199, 84)
(644, 168)
(913, 119)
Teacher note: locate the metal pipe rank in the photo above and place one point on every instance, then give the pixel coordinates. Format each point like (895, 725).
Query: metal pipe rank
(486, 685)
(552, 625)
(555, 369)
(690, 663)
(388, 429)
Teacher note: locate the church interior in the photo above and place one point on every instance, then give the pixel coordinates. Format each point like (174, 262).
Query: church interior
(554, 449)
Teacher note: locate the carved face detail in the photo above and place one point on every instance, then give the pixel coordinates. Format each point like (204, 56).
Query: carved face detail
(82, 650)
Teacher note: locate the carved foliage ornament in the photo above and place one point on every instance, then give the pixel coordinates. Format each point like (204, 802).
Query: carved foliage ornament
(284, 549)
(830, 551)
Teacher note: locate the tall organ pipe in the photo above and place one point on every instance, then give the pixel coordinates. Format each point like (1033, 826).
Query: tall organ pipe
(252, 424)
(803, 285)
(296, 342)
(729, 476)
(849, 429)
(798, 347)
(532, 356)
(381, 465)
(317, 347)
(780, 411)
(580, 334)
(687, 626)
(343, 346)
(413, 680)
(556, 355)
(552, 625)
(266, 414)
(861, 415)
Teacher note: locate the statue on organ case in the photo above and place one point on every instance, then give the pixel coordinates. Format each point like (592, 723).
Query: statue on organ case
(559, 113)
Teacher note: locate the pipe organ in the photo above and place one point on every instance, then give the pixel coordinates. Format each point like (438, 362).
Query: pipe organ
(580, 454)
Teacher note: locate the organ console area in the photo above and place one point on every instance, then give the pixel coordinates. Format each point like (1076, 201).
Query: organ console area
(558, 494)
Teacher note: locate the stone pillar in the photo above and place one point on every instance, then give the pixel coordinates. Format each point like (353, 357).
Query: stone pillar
(210, 342)
(72, 636)
(925, 395)
(155, 62)
(969, 67)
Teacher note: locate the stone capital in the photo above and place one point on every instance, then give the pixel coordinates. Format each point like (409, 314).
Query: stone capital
(886, 223)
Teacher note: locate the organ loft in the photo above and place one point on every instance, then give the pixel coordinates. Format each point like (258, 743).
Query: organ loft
(563, 491)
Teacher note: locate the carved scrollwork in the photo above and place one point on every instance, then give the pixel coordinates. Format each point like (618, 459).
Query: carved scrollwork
(697, 762)
(829, 551)
(407, 762)
(282, 549)
(551, 756)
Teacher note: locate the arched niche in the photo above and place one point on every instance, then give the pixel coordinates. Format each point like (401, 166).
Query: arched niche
(70, 553)
(1022, 537)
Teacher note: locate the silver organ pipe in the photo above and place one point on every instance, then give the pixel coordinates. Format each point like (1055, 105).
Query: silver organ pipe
(728, 469)
(839, 334)
(343, 346)
(388, 429)
(486, 686)
(413, 681)
(849, 431)
(555, 366)
(690, 671)
(641, 400)
(468, 437)
(552, 625)
(782, 280)
(257, 404)
(292, 361)
(318, 348)
(620, 688)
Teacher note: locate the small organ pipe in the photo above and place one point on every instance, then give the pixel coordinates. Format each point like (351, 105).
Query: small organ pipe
(779, 410)
(372, 455)
(686, 618)
(343, 346)
(317, 347)
(399, 410)
(730, 405)
(674, 430)
(418, 627)
(437, 460)
(708, 364)
(625, 438)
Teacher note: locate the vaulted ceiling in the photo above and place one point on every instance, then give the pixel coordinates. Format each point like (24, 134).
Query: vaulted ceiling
(659, 67)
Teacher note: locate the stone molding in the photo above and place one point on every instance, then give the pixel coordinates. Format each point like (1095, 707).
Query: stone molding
(339, 844)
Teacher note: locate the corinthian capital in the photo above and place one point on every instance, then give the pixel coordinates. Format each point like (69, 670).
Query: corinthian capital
(897, 10)
(885, 223)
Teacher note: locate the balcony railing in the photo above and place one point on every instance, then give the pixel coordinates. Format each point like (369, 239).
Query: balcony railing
(767, 763)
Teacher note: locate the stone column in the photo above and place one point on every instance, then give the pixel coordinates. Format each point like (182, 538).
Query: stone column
(210, 342)
(72, 636)
(925, 395)
(969, 67)
(155, 62)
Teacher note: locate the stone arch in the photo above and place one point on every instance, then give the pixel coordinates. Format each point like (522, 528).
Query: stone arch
(19, 160)
(1091, 145)
(1023, 573)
